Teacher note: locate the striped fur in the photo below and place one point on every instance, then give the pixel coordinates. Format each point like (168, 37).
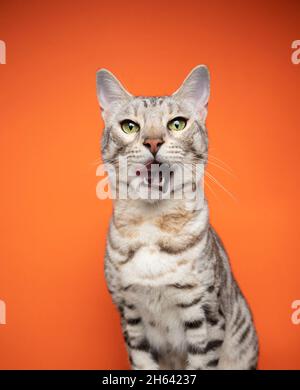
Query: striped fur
(165, 266)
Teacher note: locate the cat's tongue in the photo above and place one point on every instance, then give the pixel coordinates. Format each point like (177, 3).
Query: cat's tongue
(150, 163)
(154, 175)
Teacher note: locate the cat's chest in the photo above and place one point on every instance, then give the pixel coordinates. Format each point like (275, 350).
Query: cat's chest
(149, 266)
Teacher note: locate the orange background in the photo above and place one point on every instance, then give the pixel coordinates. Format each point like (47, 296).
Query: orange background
(59, 313)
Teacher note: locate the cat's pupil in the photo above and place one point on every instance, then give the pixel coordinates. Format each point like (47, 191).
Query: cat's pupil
(176, 124)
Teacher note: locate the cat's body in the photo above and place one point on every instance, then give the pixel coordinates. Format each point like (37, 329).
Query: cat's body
(165, 266)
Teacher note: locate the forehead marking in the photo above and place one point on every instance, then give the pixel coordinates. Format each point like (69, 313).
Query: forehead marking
(153, 101)
(135, 108)
(170, 107)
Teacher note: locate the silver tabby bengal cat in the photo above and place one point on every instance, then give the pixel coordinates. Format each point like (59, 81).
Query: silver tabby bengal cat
(165, 266)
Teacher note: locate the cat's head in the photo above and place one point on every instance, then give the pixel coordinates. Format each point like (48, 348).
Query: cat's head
(164, 131)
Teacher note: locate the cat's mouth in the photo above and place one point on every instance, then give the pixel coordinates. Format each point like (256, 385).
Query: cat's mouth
(154, 177)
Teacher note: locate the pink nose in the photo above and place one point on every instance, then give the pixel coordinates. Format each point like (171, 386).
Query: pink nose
(153, 144)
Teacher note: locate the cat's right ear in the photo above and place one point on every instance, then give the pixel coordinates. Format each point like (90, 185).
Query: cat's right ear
(109, 89)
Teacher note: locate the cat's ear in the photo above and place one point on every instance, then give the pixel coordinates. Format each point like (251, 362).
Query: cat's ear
(195, 88)
(109, 89)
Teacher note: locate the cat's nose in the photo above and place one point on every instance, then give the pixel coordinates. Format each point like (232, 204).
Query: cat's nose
(153, 144)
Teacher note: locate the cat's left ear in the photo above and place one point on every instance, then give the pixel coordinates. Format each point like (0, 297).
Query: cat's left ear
(195, 88)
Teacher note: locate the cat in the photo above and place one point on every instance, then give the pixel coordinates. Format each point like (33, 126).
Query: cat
(165, 266)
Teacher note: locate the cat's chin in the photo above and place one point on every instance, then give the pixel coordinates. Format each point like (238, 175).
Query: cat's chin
(152, 201)
(151, 193)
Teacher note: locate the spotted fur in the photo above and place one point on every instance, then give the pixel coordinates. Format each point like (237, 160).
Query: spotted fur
(165, 266)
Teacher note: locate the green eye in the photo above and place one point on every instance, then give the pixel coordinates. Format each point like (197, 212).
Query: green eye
(129, 126)
(177, 124)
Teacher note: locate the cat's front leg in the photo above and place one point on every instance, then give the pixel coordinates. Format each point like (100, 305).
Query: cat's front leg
(141, 354)
(204, 333)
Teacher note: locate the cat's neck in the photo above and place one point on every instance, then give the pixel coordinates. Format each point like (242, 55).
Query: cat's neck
(144, 209)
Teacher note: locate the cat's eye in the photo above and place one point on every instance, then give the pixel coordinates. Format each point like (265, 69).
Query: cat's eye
(177, 124)
(129, 126)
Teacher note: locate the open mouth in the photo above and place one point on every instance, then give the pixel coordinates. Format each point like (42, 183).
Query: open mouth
(154, 177)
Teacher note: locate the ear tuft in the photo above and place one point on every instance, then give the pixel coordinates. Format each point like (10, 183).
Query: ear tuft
(196, 87)
(109, 89)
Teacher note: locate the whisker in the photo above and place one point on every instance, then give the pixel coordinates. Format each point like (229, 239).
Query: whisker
(96, 162)
(206, 182)
(210, 188)
(209, 155)
(223, 169)
(211, 177)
